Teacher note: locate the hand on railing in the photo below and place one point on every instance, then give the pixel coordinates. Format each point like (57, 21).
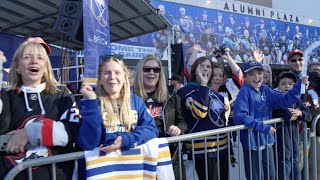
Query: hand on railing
(173, 131)
(113, 147)
(272, 130)
(233, 160)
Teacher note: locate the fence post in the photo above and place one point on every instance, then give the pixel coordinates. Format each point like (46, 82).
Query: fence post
(314, 146)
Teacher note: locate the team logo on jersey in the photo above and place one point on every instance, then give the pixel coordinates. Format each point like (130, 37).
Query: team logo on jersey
(215, 113)
(217, 106)
(33, 97)
(99, 9)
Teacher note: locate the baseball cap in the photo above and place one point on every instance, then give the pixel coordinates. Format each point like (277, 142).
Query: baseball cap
(175, 77)
(284, 74)
(39, 40)
(251, 65)
(296, 51)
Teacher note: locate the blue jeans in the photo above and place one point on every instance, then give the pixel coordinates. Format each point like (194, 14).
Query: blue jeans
(266, 156)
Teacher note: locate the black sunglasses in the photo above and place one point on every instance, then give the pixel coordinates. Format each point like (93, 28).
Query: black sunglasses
(148, 69)
(295, 60)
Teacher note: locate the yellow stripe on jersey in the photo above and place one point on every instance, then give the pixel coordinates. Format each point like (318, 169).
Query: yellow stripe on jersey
(121, 158)
(164, 154)
(205, 108)
(209, 144)
(131, 176)
(199, 110)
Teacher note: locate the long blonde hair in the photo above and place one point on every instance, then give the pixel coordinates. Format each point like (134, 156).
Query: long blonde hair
(161, 93)
(266, 67)
(48, 77)
(115, 110)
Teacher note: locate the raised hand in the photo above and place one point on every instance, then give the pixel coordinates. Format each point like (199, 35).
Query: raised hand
(3, 59)
(305, 80)
(258, 55)
(88, 92)
(202, 76)
(226, 56)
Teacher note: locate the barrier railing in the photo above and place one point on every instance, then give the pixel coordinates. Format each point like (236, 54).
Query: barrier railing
(52, 160)
(314, 146)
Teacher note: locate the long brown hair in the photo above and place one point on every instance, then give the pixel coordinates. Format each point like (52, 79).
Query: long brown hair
(193, 77)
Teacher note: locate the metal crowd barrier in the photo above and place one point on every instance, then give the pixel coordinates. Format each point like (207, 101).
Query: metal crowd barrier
(311, 137)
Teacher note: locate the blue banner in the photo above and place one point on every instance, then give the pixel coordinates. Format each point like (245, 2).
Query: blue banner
(241, 27)
(96, 36)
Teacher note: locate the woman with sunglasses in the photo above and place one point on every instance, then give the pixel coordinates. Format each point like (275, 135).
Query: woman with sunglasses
(203, 109)
(150, 85)
(112, 116)
(38, 112)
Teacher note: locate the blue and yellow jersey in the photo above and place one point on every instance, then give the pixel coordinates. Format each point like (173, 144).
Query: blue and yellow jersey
(203, 110)
(142, 162)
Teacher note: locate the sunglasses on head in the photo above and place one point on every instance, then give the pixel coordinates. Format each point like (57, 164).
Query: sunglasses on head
(103, 58)
(295, 60)
(148, 69)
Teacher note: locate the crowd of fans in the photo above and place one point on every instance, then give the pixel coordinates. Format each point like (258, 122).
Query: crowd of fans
(128, 108)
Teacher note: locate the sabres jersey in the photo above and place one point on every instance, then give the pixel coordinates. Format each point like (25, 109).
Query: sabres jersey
(151, 160)
(203, 110)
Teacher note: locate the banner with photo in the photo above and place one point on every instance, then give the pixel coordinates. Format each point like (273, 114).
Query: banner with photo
(96, 36)
(240, 26)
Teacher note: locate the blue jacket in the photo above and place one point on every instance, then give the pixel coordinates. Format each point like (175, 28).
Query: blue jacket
(92, 132)
(252, 108)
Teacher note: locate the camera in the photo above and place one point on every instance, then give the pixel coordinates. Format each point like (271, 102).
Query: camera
(220, 50)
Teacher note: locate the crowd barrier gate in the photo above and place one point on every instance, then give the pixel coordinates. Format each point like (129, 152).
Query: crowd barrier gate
(309, 135)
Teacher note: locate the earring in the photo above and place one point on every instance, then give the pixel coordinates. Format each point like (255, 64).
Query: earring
(19, 72)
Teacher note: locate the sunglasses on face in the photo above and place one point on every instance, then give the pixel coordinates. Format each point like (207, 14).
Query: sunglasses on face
(148, 69)
(295, 60)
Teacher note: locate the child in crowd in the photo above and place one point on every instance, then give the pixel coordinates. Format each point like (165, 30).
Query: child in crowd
(254, 105)
(36, 110)
(203, 109)
(288, 135)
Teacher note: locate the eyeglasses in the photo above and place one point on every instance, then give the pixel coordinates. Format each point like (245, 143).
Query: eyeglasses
(295, 60)
(148, 69)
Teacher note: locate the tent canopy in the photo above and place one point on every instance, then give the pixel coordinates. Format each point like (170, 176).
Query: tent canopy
(30, 18)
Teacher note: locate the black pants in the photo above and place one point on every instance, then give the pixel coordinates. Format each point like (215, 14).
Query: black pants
(212, 167)
(175, 162)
